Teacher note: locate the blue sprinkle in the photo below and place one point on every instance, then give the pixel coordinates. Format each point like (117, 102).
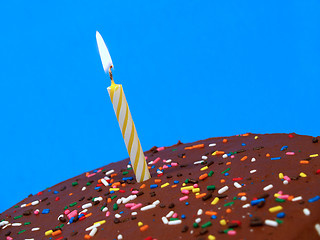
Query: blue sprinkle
(95, 171)
(45, 211)
(183, 216)
(55, 192)
(276, 158)
(229, 154)
(262, 180)
(97, 188)
(281, 215)
(250, 215)
(169, 165)
(213, 217)
(111, 192)
(153, 166)
(187, 203)
(176, 182)
(256, 202)
(316, 198)
(81, 215)
(284, 148)
(71, 220)
(226, 174)
(153, 186)
(243, 144)
(127, 178)
(49, 190)
(121, 212)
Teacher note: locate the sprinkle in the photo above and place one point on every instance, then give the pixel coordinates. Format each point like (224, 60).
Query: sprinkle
(244, 158)
(223, 189)
(253, 171)
(302, 174)
(164, 220)
(165, 185)
(48, 233)
(148, 207)
(223, 172)
(204, 168)
(271, 223)
(207, 224)
(304, 162)
(317, 227)
(296, 199)
(314, 155)
(314, 199)
(174, 222)
(268, 187)
(144, 228)
(275, 209)
(223, 222)
(183, 198)
(290, 153)
(215, 201)
(276, 158)
(212, 144)
(237, 185)
(281, 215)
(306, 211)
(153, 186)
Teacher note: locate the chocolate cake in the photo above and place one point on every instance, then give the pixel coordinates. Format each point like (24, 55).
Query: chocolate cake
(250, 186)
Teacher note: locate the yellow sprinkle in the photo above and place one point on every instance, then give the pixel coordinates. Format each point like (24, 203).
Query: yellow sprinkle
(204, 168)
(256, 137)
(281, 175)
(275, 209)
(215, 201)
(197, 193)
(183, 184)
(48, 233)
(277, 195)
(213, 154)
(140, 224)
(114, 189)
(314, 155)
(223, 222)
(211, 237)
(187, 188)
(195, 190)
(164, 185)
(303, 174)
(101, 222)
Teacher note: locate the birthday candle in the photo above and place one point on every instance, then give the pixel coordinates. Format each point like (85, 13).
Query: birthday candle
(124, 117)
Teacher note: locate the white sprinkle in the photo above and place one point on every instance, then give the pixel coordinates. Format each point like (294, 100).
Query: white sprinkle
(134, 213)
(93, 232)
(61, 215)
(198, 162)
(169, 161)
(253, 171)
(119, 201)
(164, 220)
(83, 211)
(35, 203)
(225, 155)
(200, 211)
(8, 225)
(246, 205)
(98, 199)
(271, 223)
(104, 209)
(117, 215)
(268, 187)
(198, 220)
(23, 205)
(243, 198)
(156, 202)
(16, 224)
(148, 207)
(306, 211)
(296, 199)
(87, 205)
(222, 190)
(237, 185)
(84, 188)
(109, 172)
(29, 239)
(285, 182)
(150, 163)
(204, 157)
(120, 237)
(174, 222)
(93, 226)
(253, 159)
(3, 223)
(128, 166)
(170, 214)
(317, 227)
(212, 144)
(104, 182)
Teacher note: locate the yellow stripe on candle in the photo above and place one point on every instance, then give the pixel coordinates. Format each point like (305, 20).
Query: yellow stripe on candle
(129, 132)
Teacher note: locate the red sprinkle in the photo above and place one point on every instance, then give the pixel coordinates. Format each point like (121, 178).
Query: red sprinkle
(237, 179)
(318, 171)
(148, 238)
(290, 136)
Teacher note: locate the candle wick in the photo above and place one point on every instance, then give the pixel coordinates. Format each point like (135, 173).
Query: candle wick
(110, 75)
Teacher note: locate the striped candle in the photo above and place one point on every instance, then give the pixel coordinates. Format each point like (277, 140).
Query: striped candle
(129, 132)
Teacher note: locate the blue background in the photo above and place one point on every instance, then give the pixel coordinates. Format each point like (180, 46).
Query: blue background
(190, 70)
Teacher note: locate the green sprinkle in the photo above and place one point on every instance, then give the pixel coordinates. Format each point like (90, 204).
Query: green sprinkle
(279, 221)
(75, 183)
(195, 225)
(211, 187)
(187, 180)
(234, 198)
(20, 216)
(88, 183)
(125, 173)
(113, 197)
(72, 204)
(207, 224)
(21, 231)
(27, 223)
(174, 149)
(227, 230)
(228, 204)
(280, 200)
(129, 168)
(210, 173)
(115, 207)
(16, 206)
(173, 219)
(66, 207)
(62, 225)
(102, 208)
(223, 172)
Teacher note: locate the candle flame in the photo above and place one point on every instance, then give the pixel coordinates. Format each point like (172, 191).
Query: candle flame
(104, 54)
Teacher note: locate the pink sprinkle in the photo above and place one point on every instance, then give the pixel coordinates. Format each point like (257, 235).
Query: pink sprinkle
(290, 153)
(185, 191)
(232, 232)
(175, 215)
(195, 185)
(67, 211)
(36, 212)
(280, 192)
(134, 192)
(160, 149)
(283, 196)
(232, 156)
(164, 160)
(156, 160)
(174, 164)
(146, 157)
(129, 205)
(183, 198)
(287, 178)
(92, 174)
(136, 206)
(99, 170)
(72, 214)
(9, 238)
(107, 214)
(165, 167)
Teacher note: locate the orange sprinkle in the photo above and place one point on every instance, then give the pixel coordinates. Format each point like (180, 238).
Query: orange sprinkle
(109, 200)
(225, 140)
(87, 174)
(116, 184)
(245, 135)
(201, 195)
(183, 156)
(144, 227)
(304, 162)
(143, 186)
(149, 167)
(87, 236)
(195, 146)
(29, 204)
(219, 152)
(173, 186)
(88, 215)
(240, 194)
(160, 168)
(222, 181)
(70, 194)
(228, 210)
(267, 155)
(123, 184)
(210, 213)
(55, 233)
(244, 158)
(157, 181)
(203, 176)
(113, 175)
(99, 181)
(228, 163)
(290, 198)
